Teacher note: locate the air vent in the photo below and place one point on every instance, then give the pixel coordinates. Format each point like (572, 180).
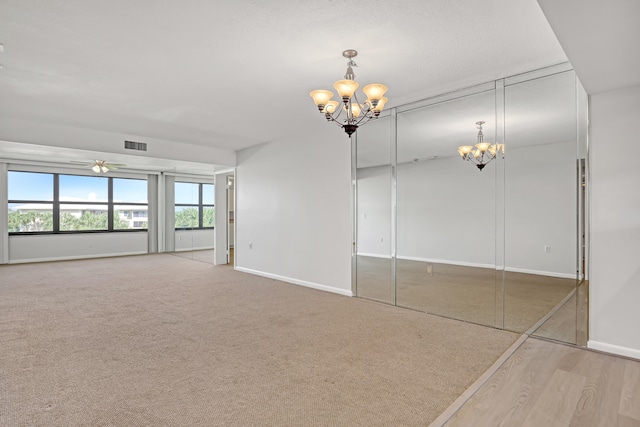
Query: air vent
(133, 145)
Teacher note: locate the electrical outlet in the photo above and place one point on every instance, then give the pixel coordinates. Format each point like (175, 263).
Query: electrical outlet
(547, 249)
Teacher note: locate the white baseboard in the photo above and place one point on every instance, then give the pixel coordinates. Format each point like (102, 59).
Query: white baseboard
(542, 273)
(476, 265)
(614, 349)
(444, 261)
(198, 248)
(72, 257)
(297, 281)
(374, 255)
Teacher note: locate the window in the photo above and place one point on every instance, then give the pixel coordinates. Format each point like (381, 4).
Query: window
(60, 203)
(129, 202)
(30, 202)
(84, 203)
(194, 205)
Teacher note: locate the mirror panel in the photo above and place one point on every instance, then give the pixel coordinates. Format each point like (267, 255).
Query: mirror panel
(374, 264)
(504, 246)
(446, 211)
(540, 201)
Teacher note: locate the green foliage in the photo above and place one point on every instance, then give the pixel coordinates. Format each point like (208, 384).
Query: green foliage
(43, 221)
(209, 217)
(187, 218)
(30, 221)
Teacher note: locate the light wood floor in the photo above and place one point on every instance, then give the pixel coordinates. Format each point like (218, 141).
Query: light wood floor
(549, 384)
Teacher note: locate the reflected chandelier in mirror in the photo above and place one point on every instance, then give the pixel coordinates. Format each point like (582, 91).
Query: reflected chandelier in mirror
(484, 151)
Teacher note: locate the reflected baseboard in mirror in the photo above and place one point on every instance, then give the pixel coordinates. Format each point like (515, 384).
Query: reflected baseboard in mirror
(463, 293)
(205, 255)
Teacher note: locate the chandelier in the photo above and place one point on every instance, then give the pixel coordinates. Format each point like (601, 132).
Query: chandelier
(483, 152)
(355, 114)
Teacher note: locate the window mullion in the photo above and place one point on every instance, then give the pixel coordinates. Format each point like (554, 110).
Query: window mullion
(110, 204)
(56, 203)
(200, 208)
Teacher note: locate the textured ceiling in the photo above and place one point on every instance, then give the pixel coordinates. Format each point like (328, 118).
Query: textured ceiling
(232, 74)
(601, 39)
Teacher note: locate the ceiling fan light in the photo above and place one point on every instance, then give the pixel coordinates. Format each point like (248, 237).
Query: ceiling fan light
(104, 169)
(96, 168)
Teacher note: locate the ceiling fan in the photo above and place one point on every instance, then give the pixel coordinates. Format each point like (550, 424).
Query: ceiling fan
(102, 166)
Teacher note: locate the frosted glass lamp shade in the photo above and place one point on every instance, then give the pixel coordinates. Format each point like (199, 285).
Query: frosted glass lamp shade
(381, 104)
(356, 109)
(346, 88)
(375, 91)
(464, 150)
(330, 107)
(483, 146)
(321, 97)
(96, 168)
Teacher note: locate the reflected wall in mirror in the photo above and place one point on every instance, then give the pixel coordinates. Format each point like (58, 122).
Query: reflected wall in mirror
(500, 246)
(374, 265)
(446, 211)
(540, 199)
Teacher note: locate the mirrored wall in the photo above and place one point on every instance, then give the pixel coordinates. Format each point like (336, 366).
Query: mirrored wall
(502, 243)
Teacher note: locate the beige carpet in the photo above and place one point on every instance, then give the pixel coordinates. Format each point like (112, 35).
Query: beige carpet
(160, 340)
(464, 293)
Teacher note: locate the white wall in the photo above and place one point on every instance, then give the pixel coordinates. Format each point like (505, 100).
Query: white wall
(541, 209)
(31, 248)
(374, 211)
(293, 208)
(447, 211)
(615, 222)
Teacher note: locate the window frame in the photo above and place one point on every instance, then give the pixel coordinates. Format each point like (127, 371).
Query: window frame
(56, 203)
(200, 206)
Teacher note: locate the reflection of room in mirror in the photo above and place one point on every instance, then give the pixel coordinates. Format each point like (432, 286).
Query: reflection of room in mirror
(496, 248)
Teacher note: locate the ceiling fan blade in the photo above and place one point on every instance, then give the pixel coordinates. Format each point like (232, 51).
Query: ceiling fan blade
(114, 166)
